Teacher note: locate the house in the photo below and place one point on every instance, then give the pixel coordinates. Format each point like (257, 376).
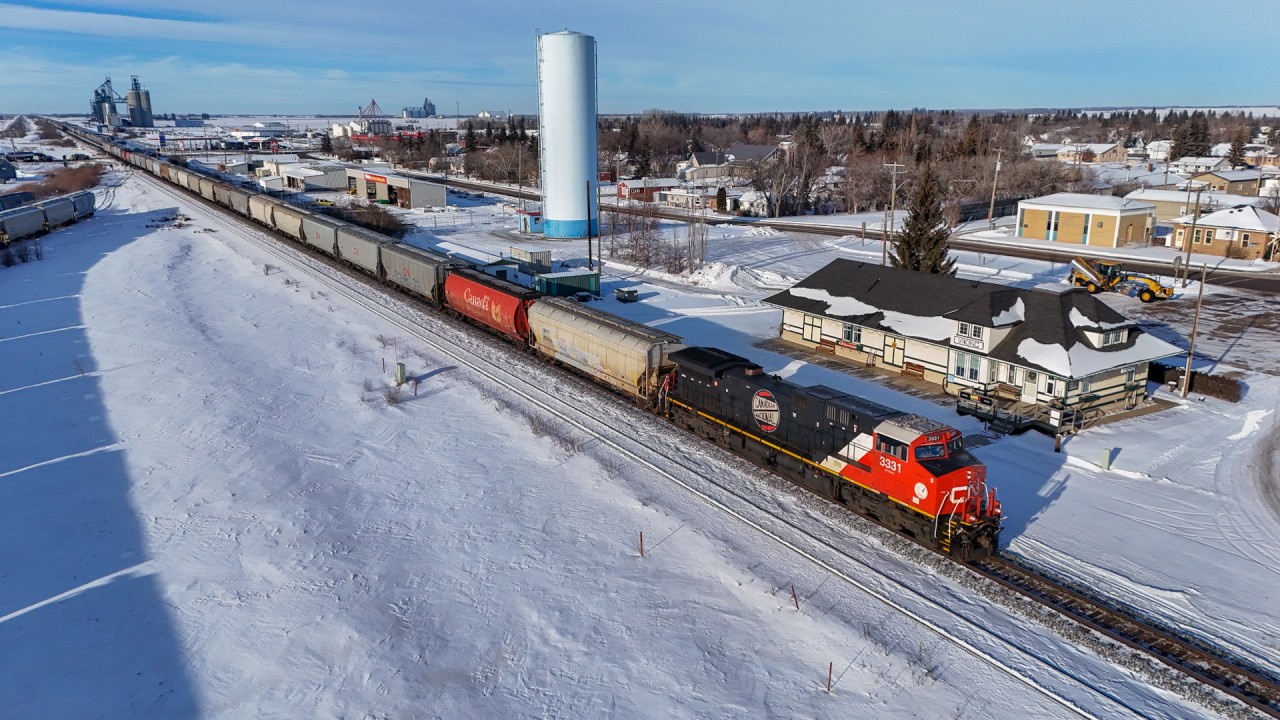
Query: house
(708, 165)
(644, 189)
(1171, 204)
(697, 198)
(1044, 151)
(1099, 220)
(1197, 165)
(1158, 150)
(1238, 182)
(1243, 232)
(1029, 352)
(741, 153)
(1091, 152)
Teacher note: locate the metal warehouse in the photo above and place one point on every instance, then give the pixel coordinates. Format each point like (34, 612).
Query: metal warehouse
(394, 189)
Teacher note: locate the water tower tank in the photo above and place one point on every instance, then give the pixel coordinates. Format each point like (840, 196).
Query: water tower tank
(567, 134)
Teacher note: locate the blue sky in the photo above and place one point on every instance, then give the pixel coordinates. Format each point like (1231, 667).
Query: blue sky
(289, 56)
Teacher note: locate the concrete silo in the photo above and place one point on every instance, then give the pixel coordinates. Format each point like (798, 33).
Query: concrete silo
(139, 103)
(567, 134)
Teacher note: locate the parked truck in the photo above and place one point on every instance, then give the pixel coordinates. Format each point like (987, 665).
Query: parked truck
(1099, 275)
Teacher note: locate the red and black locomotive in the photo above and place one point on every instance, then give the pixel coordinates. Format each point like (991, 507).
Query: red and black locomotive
(908, 472)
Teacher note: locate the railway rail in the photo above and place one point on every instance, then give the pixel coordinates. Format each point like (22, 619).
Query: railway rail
(1245, 684)
(1251, 688)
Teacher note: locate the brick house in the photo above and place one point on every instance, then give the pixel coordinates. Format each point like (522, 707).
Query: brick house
(1244, 232)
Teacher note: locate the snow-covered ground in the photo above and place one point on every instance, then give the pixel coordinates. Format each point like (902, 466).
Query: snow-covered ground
(210, 509)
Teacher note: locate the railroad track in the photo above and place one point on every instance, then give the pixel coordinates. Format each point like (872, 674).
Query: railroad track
(1245, 684)
(656, 453)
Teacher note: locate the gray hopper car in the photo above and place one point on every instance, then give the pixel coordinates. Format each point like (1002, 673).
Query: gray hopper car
(419, 271)
(20, 223)
(57, 212)
(288, 220)
(84, 203)
(321, 233)
(360, 247)
(260, 207)
(627, 356)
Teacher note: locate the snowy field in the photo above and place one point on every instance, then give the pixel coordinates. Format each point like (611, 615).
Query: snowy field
(212, 510)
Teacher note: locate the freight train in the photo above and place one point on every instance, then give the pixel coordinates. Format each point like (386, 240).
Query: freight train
(28, 221)
(909, 473)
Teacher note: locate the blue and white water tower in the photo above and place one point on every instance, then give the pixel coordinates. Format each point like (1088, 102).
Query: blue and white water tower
(567, 134)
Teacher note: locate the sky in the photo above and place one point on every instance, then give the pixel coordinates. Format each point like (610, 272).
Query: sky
(293, 57)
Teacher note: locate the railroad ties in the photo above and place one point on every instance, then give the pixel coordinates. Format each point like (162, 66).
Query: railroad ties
(1246, 684)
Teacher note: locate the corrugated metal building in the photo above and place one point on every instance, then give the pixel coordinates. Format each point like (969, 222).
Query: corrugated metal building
(406, 192)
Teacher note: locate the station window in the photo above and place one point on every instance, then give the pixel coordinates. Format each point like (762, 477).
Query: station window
(852, 333)
(967, 365)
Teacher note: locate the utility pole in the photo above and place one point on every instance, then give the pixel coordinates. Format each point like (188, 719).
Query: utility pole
(991, 211)
(895, 169)
(1186, 242)
(1195, 325)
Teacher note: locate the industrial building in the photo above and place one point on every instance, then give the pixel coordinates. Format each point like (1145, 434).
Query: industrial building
(380, 186)
(427, 110)
(567, 134)
(138, 102)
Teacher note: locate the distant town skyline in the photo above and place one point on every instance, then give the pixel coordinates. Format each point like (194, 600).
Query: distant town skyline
(290, 57)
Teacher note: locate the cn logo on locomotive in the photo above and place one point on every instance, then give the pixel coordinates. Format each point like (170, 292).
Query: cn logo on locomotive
(764, 406)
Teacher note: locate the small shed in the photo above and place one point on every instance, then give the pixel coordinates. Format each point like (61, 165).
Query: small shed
(531, 221)
(568, 282)
(7, 171)
(532, 261)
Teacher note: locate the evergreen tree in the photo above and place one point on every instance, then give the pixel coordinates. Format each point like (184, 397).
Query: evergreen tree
(469, 140)
(326, 143)
(1236, 155)
(923, 243)
(722, 200)
(696, 143)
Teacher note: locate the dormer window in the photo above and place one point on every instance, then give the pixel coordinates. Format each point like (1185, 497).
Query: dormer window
(976, 332)
(1114, 337)
(964, 329)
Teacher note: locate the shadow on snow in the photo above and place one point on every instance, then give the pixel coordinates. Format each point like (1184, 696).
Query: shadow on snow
(83, 620)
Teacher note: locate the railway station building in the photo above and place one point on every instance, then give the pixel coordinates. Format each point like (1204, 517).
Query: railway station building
(1045, 356)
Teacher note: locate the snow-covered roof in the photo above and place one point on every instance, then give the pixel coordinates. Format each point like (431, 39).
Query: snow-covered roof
(1050, 331)
(1234, 175)
(1092, 202)
(1210, 161)
(1240, 217)
(650, 182)
(1095, 148)
(1180, 196)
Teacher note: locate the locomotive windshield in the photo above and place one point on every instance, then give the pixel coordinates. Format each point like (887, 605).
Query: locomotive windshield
(929, 452)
